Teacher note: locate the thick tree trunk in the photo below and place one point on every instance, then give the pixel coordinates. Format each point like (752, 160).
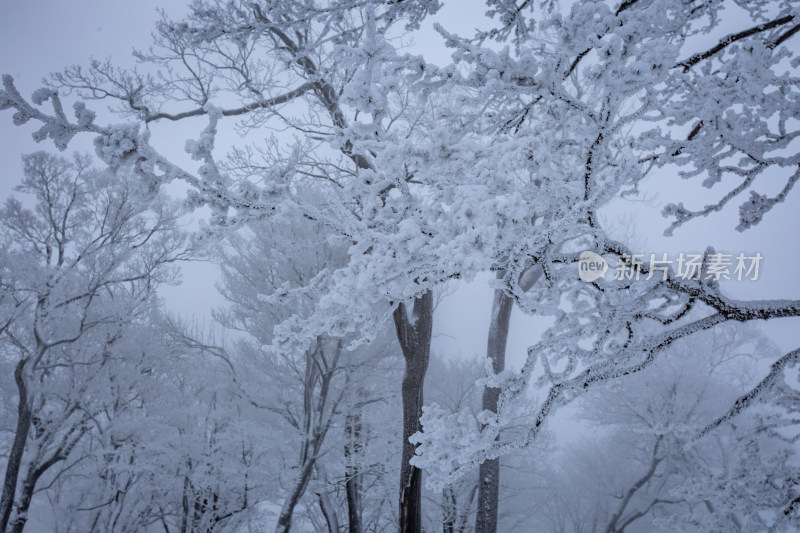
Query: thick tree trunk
(353, 488)
(352, 457)
(21, 514)
(24, 420)
(489, 471)
(414, 334)
(26, 492)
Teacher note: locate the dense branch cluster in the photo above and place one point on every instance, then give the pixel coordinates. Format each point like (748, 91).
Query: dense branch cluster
(409, 175)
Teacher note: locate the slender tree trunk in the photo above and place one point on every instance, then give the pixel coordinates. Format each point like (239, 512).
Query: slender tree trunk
(187, 486)
(198, 509)
(449, 510)
(329, 512)
(463, 518)
(325, 505)
(285, 518)
(353, 461)
(24, 420)
(314, 426)
(414, 334)
(489, 471)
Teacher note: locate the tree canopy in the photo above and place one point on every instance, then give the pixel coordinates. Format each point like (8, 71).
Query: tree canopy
(398, 175)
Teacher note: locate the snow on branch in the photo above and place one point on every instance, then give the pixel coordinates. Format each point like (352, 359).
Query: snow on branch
(743, 402)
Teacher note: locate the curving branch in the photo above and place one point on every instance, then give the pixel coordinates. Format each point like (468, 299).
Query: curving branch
(260, 104)
(776, 370)
(636, 487)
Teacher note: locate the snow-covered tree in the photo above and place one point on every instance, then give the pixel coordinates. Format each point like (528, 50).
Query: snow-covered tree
(267, 278)
(640, 465)
(583, 105)
(502, 161)
(83, 262)
(452, 384)
(177, 448)
(330, 74)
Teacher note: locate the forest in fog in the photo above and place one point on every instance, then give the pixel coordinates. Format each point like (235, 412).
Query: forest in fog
(343, 186)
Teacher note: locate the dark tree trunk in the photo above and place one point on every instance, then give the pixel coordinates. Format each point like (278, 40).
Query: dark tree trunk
(18, 524)
(326, 506)
(24, 420)
(285, 519)
(352, 455)
(449, 510)
(185, 501)
(489, 471)
(414, 334)
(28, 486)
